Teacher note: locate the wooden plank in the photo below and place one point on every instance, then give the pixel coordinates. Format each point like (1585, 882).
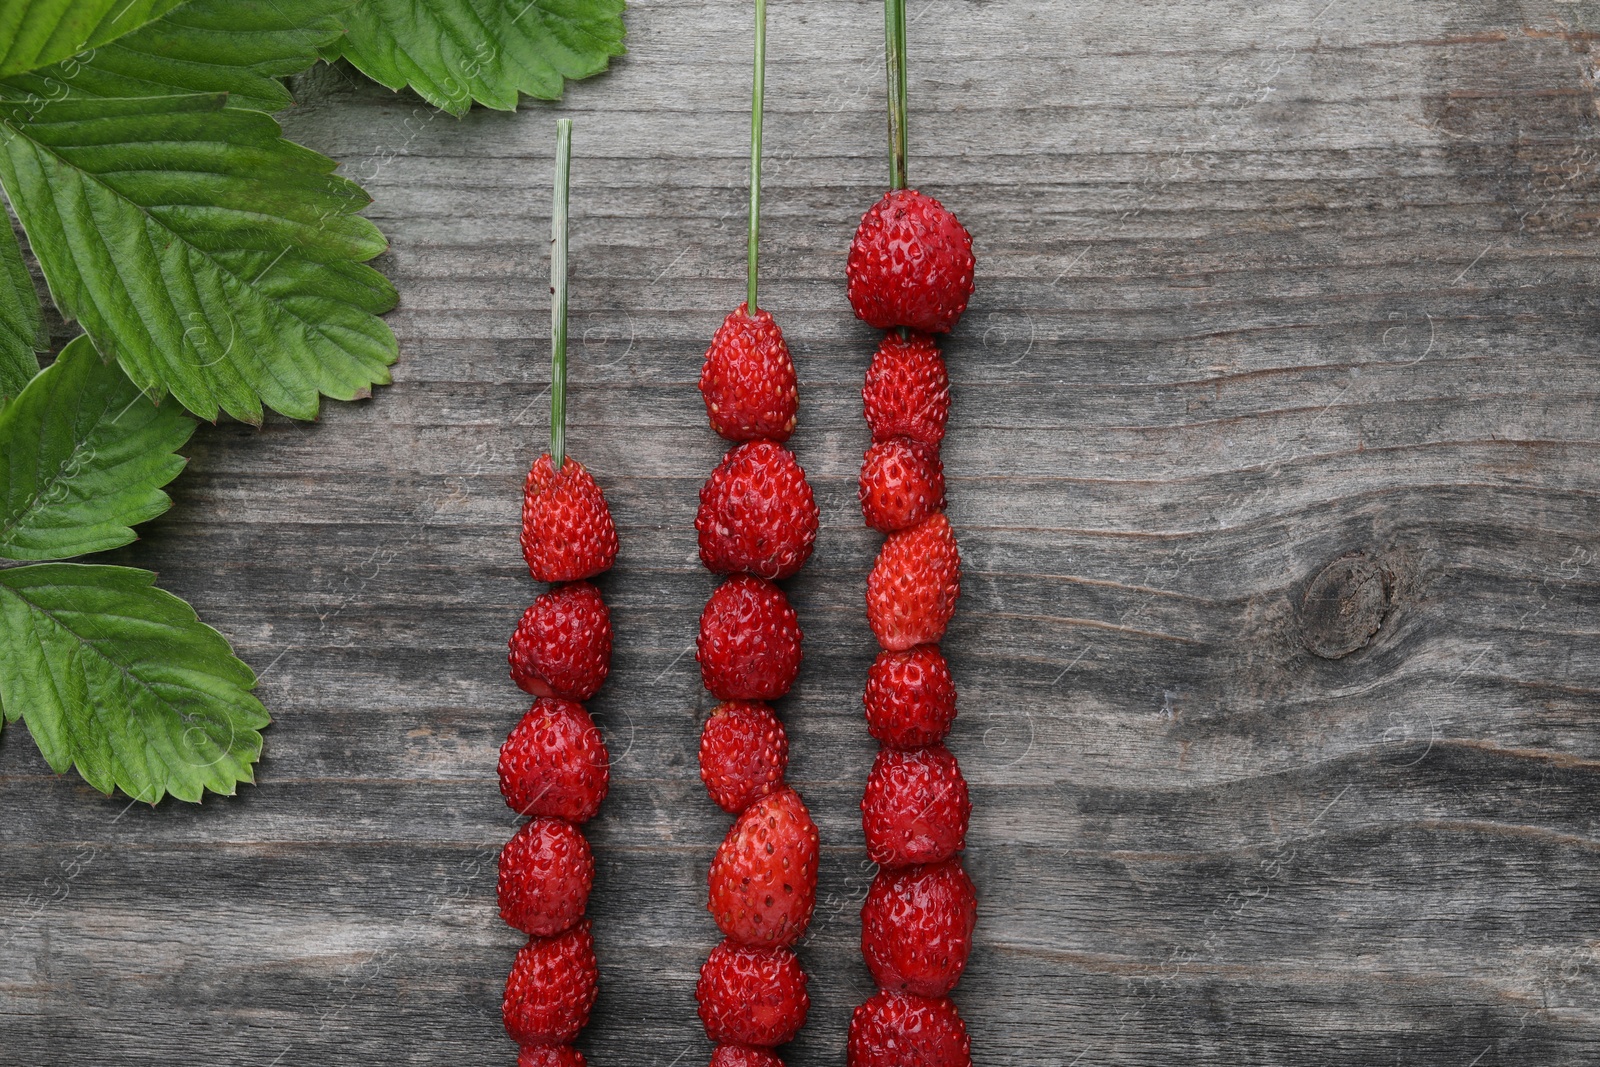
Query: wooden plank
(1284, 345)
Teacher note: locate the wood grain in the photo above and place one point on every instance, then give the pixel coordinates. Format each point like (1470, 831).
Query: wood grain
(1264, 290)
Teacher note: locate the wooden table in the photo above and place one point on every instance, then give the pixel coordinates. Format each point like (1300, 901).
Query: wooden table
(1275, 458)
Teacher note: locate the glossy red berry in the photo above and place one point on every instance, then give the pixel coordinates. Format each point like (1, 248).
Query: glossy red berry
(551, 988)
(550, 1056)
(743, 754)
(916, 928)
(546, 872)
(902, 483)
(752, 996)
(554, 762)
(749, 645)
(910, 697)
(562, 646)
(757, 513)
(907, 390)
(915, 808)
(910, 264)
(913, 587)
(744, 1056)
(904, 1030)
(567, 532)
(748, 380)
(763, 880)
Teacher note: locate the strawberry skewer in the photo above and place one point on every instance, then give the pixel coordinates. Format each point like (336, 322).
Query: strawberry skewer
(554, 766)
(910, 271)
(757, 522)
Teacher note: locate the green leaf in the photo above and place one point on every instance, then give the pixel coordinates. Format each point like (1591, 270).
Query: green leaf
(22, 331)
(453, 52)
(240, 47)
(44, 31)
(209, 256)
(119, 679)
(85, 457)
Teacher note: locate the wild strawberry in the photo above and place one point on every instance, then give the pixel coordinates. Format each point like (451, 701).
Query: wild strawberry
(912, 590)
(910, 264)
(907, 390)
(752, 996)
(562, 646)
(916, 928)
(902, 483)
(550, 1056)
(763, 882)
(551, 988)
(567, 532)
(743, 754)
(744, 1056)
(748, 379)
(554, 762)
(757, 513)
(903, 1030)
(546, 872)
(915, 808)
(749, 646)
(910, 697)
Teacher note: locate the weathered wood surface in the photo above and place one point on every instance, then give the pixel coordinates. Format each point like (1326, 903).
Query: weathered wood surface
(1263, 288)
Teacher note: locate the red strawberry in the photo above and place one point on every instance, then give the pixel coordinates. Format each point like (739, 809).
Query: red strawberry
(910, 264)
(749, 646)
(743, 754)
(757, 513)
(562, 646)
(551, 988)
(902, 1030)
(567, 532)
(910, 697)
(554, 762)
(902, 483)
(764, 876)
(915, 808)
(744, 1056)
(748, 379)
(546, 872)
(916, 928)
(912, 590)
(752, 996)
(550, 1056)
(907, 390)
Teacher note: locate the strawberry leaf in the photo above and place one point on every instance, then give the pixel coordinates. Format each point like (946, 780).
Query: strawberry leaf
(39, 32)
(209, 256)
(203, 46)
(453, 52)
(120, 680)
(22, 330)
(86, 455)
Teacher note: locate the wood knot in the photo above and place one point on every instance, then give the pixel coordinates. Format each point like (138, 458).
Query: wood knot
(1344, 606)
